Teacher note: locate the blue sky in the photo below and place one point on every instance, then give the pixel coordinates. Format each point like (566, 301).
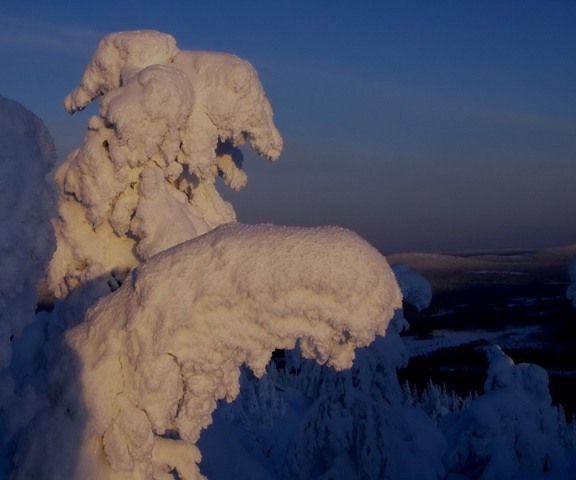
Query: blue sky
(423, 126)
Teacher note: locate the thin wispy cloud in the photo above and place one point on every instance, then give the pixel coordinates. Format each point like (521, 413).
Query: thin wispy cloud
(421, 101)
(19, 33)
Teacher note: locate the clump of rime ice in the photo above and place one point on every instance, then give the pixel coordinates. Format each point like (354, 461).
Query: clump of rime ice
(140, 378)
(26, 239)
(511, 430)
(170, 122)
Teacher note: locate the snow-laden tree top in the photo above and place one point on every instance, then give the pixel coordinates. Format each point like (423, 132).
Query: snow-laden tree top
(137, 378)
(26, 240)
(170, 122)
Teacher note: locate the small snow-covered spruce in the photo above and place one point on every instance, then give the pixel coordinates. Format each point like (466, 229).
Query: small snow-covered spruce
(510, 430)
(170, 122)
(157, 354)
(259, 402)
(436, 401)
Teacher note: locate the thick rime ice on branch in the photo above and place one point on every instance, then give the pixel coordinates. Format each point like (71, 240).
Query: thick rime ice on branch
(26, 238)
(170, 122)
(155, 362)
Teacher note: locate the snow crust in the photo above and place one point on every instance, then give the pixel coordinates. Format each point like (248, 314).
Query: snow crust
(170, 122)
(26, 200)
(152, 364)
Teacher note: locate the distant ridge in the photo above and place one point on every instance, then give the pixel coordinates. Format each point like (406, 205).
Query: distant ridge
(446, 271)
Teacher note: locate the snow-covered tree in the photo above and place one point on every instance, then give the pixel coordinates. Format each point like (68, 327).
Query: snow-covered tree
(170, 122)
(135, 383)
(26, 200)
(437, 401)
(131, 386)
(511, 429)
(185, 300)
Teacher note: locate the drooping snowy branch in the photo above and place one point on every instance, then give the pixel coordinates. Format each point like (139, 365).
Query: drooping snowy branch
(357, 426)
(154, 363)
(26, 240)
(170, 122)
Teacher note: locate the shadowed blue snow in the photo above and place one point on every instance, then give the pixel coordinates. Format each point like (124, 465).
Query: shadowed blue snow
(421, 125)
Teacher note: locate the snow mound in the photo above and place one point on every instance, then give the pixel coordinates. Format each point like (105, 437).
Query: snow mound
(170, 122)
(26, 239)
(157, 354)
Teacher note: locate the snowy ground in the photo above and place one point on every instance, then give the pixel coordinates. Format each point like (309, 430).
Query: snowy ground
(441, 339)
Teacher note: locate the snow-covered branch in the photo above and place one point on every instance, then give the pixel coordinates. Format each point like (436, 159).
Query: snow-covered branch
(157, 354)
